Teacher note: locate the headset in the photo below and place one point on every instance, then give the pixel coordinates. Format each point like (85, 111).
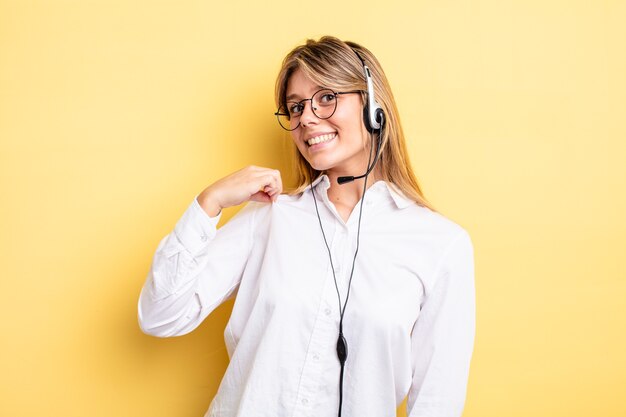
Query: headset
(373, 118)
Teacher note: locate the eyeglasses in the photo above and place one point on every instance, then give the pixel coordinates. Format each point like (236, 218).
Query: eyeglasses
(323, 106)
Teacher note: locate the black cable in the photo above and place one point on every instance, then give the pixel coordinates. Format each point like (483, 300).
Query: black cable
(342, 345)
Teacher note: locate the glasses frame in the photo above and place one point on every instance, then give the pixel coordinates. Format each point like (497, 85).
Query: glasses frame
(336, 93)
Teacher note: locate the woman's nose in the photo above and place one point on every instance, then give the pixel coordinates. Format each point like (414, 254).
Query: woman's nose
(307, 117)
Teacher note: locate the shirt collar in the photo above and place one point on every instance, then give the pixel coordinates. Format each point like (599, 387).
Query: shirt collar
(391, 190)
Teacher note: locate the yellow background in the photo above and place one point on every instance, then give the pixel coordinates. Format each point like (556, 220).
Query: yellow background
(115, 114)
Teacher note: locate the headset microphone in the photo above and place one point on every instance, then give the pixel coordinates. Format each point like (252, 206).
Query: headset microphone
(373, 117)
(343, 180)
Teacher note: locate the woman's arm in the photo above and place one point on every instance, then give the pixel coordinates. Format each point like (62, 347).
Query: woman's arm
(194, 269)
(443, 336)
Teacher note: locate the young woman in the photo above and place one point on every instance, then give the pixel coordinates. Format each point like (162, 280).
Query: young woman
(350, 293)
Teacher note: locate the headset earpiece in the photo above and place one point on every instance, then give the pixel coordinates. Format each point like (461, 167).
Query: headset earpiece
(373, 115)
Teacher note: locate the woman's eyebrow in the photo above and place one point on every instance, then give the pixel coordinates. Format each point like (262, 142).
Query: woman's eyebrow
(294, 95)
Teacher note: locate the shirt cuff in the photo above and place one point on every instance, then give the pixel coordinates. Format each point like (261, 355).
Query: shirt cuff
(195, 229)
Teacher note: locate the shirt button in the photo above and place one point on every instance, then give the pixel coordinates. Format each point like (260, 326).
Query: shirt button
(316, 356)
(204, 238)
(305, 401)
(327, 311)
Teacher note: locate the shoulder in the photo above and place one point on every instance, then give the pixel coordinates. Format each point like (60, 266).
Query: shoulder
(435, 239)
(452, 245)
(419, 218)
(261, 214)
(429, 222)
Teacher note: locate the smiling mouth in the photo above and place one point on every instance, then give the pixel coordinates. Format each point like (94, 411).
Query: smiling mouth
(321, 139)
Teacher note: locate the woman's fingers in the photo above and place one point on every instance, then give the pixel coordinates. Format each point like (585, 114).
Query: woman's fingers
(249, 183)
(270, 182)
(261, 197)
(280, 182)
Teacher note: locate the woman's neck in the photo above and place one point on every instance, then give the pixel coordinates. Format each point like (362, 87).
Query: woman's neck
(348, 195)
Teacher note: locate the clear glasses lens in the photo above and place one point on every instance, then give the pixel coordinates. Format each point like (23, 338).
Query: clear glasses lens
(323, 105)
(285, 120)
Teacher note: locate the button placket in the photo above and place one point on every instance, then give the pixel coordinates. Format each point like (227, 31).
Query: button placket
(312, 372)
(337, 247)
(345, 256)
(322, 336)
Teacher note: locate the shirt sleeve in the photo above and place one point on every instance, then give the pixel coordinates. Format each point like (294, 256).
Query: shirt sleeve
(442, 340)
(194, 269)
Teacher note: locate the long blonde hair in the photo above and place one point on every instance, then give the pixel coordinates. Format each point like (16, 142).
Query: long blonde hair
(333, 63)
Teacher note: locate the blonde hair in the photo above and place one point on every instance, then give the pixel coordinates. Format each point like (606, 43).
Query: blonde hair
(333, 63)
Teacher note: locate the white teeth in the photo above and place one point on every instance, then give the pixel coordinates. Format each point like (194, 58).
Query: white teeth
(321, 138)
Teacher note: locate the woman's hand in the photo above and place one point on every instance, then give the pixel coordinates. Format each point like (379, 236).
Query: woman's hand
(251, 183)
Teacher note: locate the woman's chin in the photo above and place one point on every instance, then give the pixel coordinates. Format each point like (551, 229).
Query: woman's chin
(320, 165)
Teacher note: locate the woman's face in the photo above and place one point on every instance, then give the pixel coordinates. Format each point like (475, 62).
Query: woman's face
(344, 149)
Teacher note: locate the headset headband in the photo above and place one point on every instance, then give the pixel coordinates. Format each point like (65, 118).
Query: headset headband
(372, 113)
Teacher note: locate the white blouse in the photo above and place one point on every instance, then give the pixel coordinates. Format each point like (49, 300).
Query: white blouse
(409, 322)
